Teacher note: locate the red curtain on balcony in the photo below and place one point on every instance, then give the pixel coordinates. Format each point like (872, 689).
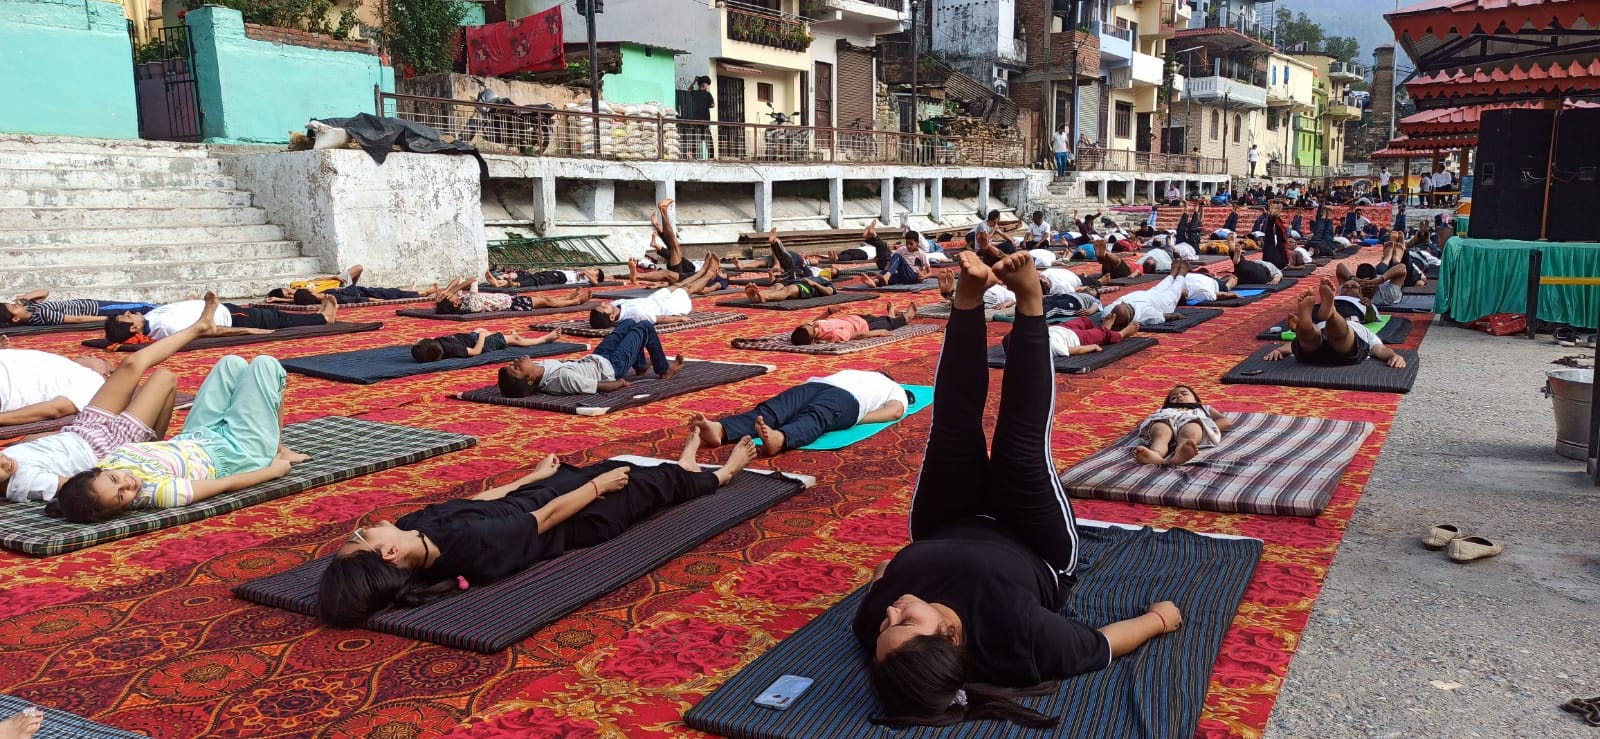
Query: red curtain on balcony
(528, 44)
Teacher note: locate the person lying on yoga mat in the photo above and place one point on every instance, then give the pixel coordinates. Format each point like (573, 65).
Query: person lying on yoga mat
(631, 344)
(665, 306)
(1156, 261)
(706, 275)
(967, 616)
(1182, 419)
(459, 302)
(1252, 272)
(1382, 287)
(121, 412)
(478, 341)
(1083, 335)
(506, 277)
(673, 258)
(230, 320)
(318, 285)
(790, 288)
(1300, 256)
(802, 414)
(231, 440)
(32, 309)
(355, 295)
(40, 386)
(834, 328)
(1153, 306)
(1113, 267)
(448, 547)
(1205, 288)
(1058, 281)
(1334, 342)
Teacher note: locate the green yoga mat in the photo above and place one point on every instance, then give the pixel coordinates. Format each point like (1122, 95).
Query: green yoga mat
(921, 397)
(1374, 327)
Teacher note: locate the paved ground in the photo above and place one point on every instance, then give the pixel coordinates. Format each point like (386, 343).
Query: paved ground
(1508, 638)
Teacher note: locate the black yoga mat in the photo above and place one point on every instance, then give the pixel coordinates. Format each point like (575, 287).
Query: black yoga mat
(282, 334)
(430, 314)
(694, 376)
(1083, 363)
(1279, 286)
(1394, 331)
(387, 363)
(916, 288)
(26, 330)
(487, 288)
(489, 618)
(1371, 375)
(1158, 691)
(816, 302)
(1191, 317)
(1135, 280)
(1432, 288)
(1410, 304)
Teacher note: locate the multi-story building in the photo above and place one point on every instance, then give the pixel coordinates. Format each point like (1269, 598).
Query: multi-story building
(1133, 38)
(1288, 134)
(1340, 105)
(1222, 107)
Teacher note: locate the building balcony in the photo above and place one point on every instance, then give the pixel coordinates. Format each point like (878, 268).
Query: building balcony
(1286, 96)
(1345, 72)
(1343, 112)
(1146, 70)
(764, 27)
(879, 16)
(1174, 14)
(1223, 91)
(1116, 44)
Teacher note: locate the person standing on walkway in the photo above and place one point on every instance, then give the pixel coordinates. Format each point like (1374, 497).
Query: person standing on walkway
(697, 107)
(1253, 156)
(1383, 184)
(1058, 143)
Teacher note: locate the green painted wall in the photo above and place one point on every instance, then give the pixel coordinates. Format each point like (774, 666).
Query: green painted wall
(259, 91)
(475, 15)
(648, 74)
(66, 68)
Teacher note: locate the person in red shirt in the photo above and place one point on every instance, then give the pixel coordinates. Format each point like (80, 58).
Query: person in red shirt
(835, 328)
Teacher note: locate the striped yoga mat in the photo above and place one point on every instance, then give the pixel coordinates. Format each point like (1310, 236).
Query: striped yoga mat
(282, 334)
(433, 315)
(697, 319)
(1158, 691)
(696, 375)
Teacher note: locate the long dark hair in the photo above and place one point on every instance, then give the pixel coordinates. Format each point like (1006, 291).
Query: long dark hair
(75, 500)
(446, 308)
(918, 685)
(361, 584)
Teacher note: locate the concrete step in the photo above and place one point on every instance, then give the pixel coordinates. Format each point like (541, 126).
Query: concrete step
(78, 256)
(111, 179)
(58, 161)
(240, 289)
(88, 218)
(122, 198)
(72, 144)
(116, 235)
(199, 275)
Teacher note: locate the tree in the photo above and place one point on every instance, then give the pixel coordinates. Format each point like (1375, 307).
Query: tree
(1342, 48)
(421, 34)
(1296, 28)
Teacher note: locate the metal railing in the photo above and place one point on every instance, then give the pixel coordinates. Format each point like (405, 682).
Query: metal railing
(1122, 160)
(1346, 68)
(540, 131)
(1108, 28)
(761, 26)
(550, 252)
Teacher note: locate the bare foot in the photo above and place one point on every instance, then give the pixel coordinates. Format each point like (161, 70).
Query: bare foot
(291, 455)
(1146, 455)
(208, 314)
(22, 724)
(691, 448)
(633, 271)
(743, 453)
(1186, 451)
(710, 431)
(771, 438)
(673, 367)
(975, 277)
(910, 312)
(5, 341)
(753, 294)
(330, 309)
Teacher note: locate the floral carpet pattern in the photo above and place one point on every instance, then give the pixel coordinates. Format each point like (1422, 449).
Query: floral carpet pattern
(143, 634)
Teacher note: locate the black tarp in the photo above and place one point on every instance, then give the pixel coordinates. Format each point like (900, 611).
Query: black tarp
(378, 136)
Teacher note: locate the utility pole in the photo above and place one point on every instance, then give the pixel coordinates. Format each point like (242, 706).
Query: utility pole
(594, 71)
(916, 33)
(1074, 10)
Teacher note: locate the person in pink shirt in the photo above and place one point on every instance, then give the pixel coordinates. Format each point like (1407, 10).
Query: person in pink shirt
(836, 328)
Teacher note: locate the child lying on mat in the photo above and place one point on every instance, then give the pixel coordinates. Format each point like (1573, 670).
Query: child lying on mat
(319, 285)
(665, 306)
(834, 328)
(478, 341)
(802, 414)
(705, 275)
(230, 441)
(903, 266)
(1182, 419)
(40, 386)
(230, 319)
(456, 302)
(1084, 335)
(343, 288)
(32, 309)
(967, 617)
(630, 344)
(448, 547)
(1335, 341)
(795, 281)
(507, 277)
(121, 412)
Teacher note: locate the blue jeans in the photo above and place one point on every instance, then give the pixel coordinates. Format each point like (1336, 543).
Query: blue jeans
(1061, 162)
(900, 271)
(628, 345)
(802, 413)
(109, 309)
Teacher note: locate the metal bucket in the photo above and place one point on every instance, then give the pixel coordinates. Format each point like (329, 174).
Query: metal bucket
(1569, 391)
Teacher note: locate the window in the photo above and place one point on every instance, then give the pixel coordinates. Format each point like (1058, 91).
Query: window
(1274, 72)
(1285, 74)
(764, 92)
(1216, 124)
(1237, 124)
(1272, 120)
(1124, 120)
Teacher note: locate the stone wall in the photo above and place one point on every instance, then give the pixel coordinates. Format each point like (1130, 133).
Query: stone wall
(415, 217)
(67, 69)
(307, 39)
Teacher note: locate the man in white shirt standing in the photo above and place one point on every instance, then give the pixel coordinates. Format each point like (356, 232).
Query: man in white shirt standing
(1383, 184)
(1252, 155)
(1058, 144)
(800, 415)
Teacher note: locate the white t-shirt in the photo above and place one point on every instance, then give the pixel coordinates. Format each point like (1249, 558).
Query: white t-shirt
(1201, 287)
(42, 463)
(1150, 307)
(1184, 250)
(1038, 231)
(1162, 259)
(872, 390)
(171, 318)
(1058, 142)
(1062, 281)
(1361, 332)
(668, 301)
(1383, 178)
(1252, 154)
(1305, 254)
(1063, 340)
(872, 251)
(997, 295)
(1043, 258)
(28, 377)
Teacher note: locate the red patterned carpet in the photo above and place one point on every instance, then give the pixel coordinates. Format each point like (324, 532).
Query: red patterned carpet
(142, 634)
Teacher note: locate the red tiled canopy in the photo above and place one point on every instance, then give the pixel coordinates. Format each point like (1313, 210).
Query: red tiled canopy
(1552, 80)
(1464, 119)
(1445, 18)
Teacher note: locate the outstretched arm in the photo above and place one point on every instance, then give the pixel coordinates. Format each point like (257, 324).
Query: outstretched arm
(890, 411)
(545, 469)
(83, 319)
(1126, 636)
(1221, 419)
(477, 348)
(610, 385)
(1280, 352)
(1389, 356)
(57, 407)
(207, 488)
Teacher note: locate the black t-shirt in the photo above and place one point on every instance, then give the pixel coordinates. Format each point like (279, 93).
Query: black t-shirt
(1007, 599)
(456, 345)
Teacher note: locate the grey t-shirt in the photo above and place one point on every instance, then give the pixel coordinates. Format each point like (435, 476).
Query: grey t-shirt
(577, 376)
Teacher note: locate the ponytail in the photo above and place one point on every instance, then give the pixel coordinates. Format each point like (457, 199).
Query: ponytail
(926, 682)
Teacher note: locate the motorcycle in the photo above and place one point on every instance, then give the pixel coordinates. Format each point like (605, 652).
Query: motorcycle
(787, 144)
(529, 128)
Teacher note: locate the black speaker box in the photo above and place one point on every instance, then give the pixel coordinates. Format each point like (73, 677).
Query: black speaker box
(1576, 189)
(1508, 180)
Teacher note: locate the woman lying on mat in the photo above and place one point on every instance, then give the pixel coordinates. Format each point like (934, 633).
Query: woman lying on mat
(1184, 419)
(832, 328)
(478, 341)
(121, 412)
(32, 309)
(457, 302)
(1335, 341)
(507, 277)
(802, 414)
(230, 441)
(446, 547)
(967, 616)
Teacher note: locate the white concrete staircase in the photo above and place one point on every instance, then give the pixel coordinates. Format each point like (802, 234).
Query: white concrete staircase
(133, 220)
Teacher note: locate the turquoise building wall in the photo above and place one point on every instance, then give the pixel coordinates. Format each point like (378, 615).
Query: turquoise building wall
(67, 69)
(648, 74)
(259, 91)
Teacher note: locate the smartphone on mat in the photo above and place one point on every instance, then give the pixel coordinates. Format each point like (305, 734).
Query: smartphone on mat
(783, 692)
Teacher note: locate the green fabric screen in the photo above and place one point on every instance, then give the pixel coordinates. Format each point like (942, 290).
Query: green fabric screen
(1484, 276)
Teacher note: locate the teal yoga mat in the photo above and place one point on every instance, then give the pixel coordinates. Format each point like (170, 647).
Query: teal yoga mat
(921, 397)
(1247, 293)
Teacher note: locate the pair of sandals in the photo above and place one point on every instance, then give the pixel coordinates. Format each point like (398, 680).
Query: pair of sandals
(1587, 709)
(1458, 546)
(1569, 336)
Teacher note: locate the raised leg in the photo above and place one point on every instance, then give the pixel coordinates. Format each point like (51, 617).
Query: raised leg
(152, 403)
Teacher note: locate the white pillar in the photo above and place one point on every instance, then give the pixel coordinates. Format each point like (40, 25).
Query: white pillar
(544, 205)
(836, 202)
(668, 189)
(983, 196)
(763, 220)
(909, 193)
(886, 200)
(597, 199)
(936, 199)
